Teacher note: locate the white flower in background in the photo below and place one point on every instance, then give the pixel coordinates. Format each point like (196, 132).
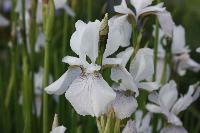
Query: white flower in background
(85, 88)
(141, 69)
(180, 52)
(40, 41)
(59, 129)
(198, 50)
(55, 127)
(3, 21)
(130, 127)
(141, 124)
(62, 4)
(38, 90)
(167, 102)
(143, 8)
(174, 129)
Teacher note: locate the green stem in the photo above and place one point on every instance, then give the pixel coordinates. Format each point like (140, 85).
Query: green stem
(117, 126)
(156, 49)
(89, 9)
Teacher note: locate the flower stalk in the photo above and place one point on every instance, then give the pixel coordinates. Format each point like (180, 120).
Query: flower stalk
(48, 22)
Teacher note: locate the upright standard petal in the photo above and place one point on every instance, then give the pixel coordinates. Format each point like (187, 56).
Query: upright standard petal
(62, 84)
(3, 21)
(166, 23)
(119, 34)
(123, 8)
(178, 42)
(124, 106)
(140, 4)
(59, 129)
(142, 67)
(168, 94)
(90, 95)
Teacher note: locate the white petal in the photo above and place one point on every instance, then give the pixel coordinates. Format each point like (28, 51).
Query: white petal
(174, 129)
(166, 22)
(61, 85)
(72, 61)
(40, 42)
(68, 10)
(145, 125)
(140, 4)
(130, 127)
(123, 9)
(3, 21)
(183, 102)
(120, 73)
(173, 119)
(90, 40)
(198, 50)
(124, 106)
(151, 10)
(125, 56)
(112, 61)
(90, 95)
(168, 94)
(119, 34)
(142, 66)
(159, 71)
(178, 42)
(60, 129)
(154, 98)
(149, 86)
(76, 38)
(153, 108)
(59, 3)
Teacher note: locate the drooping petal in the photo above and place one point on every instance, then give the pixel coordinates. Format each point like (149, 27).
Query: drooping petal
(166, 22)
(119, 34)
(140, 4)
(153, 108)
(154, 98)
(60, 129)
(90, 95)
(62, 84)
(142, 67)
(3, 21)
(178, 42)
(72, 61)
(124, 106)
(149, 86)
(130, 127)
(127, 82)
(168, 94)
(172, 118)
(183, 102)
(151, 10)
(123, 9)
(112, 61)
(125, 56)
(174, 129)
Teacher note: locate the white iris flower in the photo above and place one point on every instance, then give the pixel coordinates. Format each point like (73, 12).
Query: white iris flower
(143, 8)
(82, 83)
